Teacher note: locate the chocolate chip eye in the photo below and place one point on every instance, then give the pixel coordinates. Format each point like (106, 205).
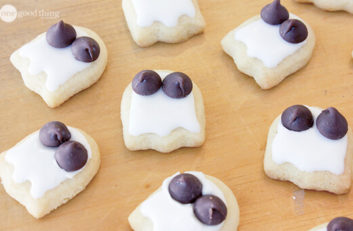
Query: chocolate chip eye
(210, 210)
(177, 85)
(185, 188)
(60, 35)
(54, 133)
(146, 82)
(85, 49)
(293, 31)
(297, 118)
(71, 156)
(274, 13)
(340, 224)
(332, 124)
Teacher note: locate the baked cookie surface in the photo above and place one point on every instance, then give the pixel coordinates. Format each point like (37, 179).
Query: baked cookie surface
(306, 157)
(163, 208)
(160, 122)
(56, 73)
(42, 177)
(162, 20)
(267, 50)
(336, 224)
(337, 5)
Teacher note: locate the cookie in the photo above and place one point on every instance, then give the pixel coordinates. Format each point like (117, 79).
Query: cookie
(49, 167)
(162, 110)
(271, 46)
(191, 201)
(329, 5)
(61, 62)
(311, 148)
(166, 21)
(337, 224)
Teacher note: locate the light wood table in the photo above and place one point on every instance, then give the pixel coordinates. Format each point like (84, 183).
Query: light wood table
(238, 115)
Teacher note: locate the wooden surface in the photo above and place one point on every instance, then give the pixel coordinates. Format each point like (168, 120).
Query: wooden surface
(238, 115)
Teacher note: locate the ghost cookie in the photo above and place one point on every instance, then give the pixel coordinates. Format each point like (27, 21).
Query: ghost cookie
(329, 5)
(312, 148)
(191, 201)
(169, 21)
(272, 46)
(337, 224)
(61, 62)
(49, 167)
(162, 110)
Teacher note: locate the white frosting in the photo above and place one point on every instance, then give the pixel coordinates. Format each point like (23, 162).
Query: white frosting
(264, 42)
(58, 63)
(161, 114)
(34, 162)
(168, 214)
(322, 229)
(164, 11)
(309, 150)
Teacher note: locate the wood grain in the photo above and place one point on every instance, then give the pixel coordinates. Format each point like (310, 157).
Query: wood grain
(238, 115)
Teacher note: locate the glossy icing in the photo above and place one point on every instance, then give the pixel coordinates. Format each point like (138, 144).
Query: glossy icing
(160, 114)
(34, 162)
(59, 64)
(167, 214)
(309, 150)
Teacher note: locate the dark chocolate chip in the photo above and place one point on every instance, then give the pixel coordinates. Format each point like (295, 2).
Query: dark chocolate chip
(61, 35)
(71, 156)
(85, 49)
(146, 82)
(54, 133)
(185, 188)
(297, 118)
(274, 13)
(332, 124)
(210, 210)
(340, 224)
(177, 85)
(293, 31)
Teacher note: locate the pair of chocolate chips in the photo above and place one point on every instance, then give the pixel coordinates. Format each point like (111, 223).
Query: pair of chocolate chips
(174, 85)
(340, 224)
(70, 155)
(209, 209)
(291, 30)
(62, 35)
(330, 122)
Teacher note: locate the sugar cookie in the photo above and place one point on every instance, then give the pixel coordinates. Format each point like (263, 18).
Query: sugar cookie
(312, 148)
(162, 115)
(61, 62)
(329, 5)
(169, 21)
(272, 46)
(49, 167)
(337, 224)
(191, 201)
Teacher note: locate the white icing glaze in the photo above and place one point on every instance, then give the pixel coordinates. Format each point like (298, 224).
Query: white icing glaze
(34, 162)
(164, 11)
(264, 42)
(58, 63)
(161, 114)
(168, 214)
(322, 229)
(308, 150)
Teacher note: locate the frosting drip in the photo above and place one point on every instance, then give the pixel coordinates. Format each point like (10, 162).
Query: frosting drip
(164, 11)
(59, 64)
(34, 162)
(168, 214)
(308, 150)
